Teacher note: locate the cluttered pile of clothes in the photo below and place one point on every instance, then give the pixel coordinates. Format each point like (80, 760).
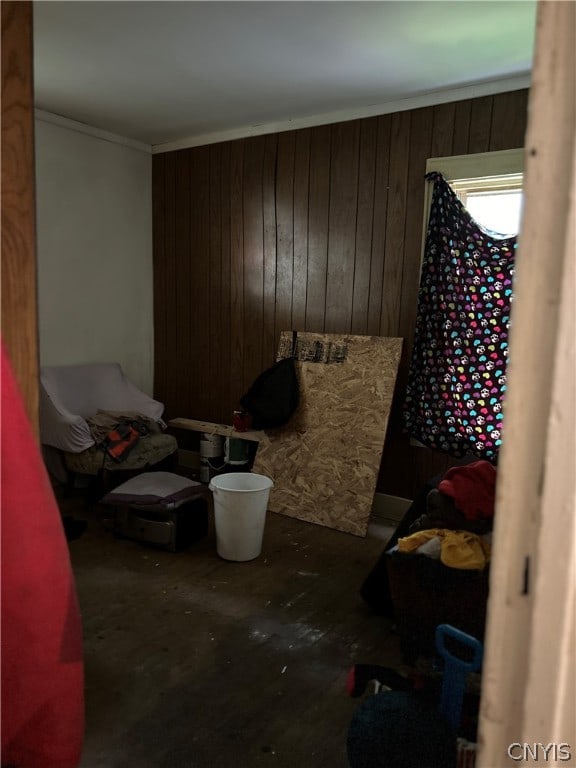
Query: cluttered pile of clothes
(116, 434)
(456, 527)
(435, 568)
(126, 440)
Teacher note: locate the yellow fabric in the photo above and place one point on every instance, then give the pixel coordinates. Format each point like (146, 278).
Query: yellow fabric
(460, 549)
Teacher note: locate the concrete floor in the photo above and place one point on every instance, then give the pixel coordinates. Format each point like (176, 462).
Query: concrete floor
(195, 662)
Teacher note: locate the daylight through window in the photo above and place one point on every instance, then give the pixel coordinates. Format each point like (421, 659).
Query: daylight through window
(495, 202)
(489, 184)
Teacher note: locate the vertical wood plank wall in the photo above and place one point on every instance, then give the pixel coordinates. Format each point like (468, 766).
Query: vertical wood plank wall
(19, 297)
(317, 229)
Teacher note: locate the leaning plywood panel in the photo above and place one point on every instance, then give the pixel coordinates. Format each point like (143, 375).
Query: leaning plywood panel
(325, 462)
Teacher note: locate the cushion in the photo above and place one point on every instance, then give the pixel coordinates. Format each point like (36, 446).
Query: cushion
(150, 450)
(155, 490)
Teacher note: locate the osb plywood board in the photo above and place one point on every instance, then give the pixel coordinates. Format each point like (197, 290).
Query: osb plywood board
(325, 461)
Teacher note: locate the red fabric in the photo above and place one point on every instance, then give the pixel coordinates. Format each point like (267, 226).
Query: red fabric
(42, 667)
(473, 488)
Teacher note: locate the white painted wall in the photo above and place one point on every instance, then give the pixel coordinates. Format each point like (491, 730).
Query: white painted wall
(94, 231)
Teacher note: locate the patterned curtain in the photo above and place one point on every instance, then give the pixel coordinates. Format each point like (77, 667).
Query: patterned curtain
(457, 376)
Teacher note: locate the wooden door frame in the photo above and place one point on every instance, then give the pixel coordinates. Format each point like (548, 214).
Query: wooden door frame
(529, 671)
(19, 273)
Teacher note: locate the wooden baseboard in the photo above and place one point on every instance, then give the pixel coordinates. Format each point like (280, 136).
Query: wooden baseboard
(388, 510)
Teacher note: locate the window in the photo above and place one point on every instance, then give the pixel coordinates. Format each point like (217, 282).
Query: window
(495, 202)
(489, 184)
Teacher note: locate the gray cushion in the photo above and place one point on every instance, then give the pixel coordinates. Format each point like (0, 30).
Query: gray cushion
(155, 490)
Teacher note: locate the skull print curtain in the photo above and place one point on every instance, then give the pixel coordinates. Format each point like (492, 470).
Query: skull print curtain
(457, 377)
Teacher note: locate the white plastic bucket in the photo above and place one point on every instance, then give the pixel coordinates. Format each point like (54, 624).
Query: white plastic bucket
(240, 503)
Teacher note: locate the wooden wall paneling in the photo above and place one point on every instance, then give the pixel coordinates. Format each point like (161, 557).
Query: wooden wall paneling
(198, 337)
(253, 218)
(420, 149)
(364, 223)
(518, 124)
(185, 280)
(461, 127)
(216, 298)
(327, 231)
(226, 402)
(443, 129)
(509, 117)
(406, 468)
(19, 292)
(171, 269)
(480, 122)
(285, 230)
(381, 178)
(396, 223)
(161, 359)
(269, 339)
(301, 192)
(431, 135)
(318, 216)
(236, 272)
(342, 226)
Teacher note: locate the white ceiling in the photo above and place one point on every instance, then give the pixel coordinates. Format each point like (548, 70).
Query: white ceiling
(163, 71)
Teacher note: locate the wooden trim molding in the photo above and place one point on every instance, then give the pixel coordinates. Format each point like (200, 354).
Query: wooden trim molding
(90, 130)
(489, 88)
